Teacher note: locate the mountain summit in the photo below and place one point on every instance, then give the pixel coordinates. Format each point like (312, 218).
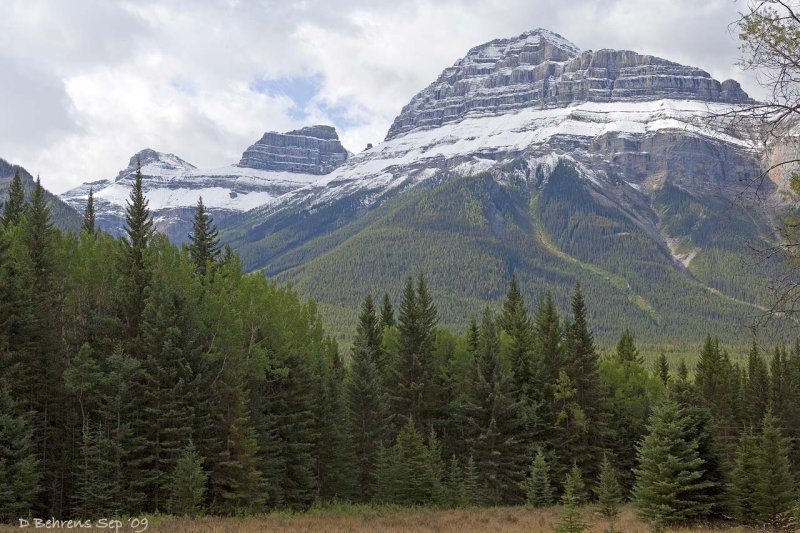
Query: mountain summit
(530, 156)
(542, 69)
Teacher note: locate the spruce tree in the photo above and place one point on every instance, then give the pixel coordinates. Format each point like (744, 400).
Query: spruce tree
(387, 312)
(626, 348)
(236, 485)
(609, 492)
(744, 478)
(187, 484)
(669, 480)
(98, 487)
(548, 337)
(713, 379)
(756, 388)
(415, 469)
(683, 371)
(14, 206)
(776, 491)
(19, 468)
(204, 247)
(45, 349)
(133, 262)
(88, 225)
(538, 491)
(366, 410)
(572, 498)
(527, 373)
(414, 393)
(662, 368)
(581, 442)
(492, 419)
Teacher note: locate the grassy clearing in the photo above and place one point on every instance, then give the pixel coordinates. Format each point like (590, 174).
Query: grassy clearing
(358, 519)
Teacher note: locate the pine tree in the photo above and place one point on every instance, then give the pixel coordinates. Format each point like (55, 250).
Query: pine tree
(669, 481)
(609, 492)
(548, 338)
(626, 348)
(45, 350)
(236, 485)
(683, 371)
(776, 492)
(366, 409)
(472, 492)
(492, 419)
(414, 393)
(581, 442)
(713, 379)
(572, 498)
(14, 206)
(700, 427)
(756, 388)
(334, 446)
(187, 484)
(98, 491)
(527, 373)
(204, 247)
(538, 491)
(387, 312)
(166, 382)
(662, 368)
(19, 469)
(133, 263)
(88, 225)
(744, 478)
(415, 470)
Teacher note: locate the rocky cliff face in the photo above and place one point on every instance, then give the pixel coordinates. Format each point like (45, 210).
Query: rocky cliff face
(310, 150)
(542, 69)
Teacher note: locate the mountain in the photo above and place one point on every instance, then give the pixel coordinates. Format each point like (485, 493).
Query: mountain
(276, 164)
(63, 216)
(531, 157)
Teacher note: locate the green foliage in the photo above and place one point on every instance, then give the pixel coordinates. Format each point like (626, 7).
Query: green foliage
(662, 368)
(14, 206)
(608, 490)
(548, 235)
(493, 421)
(626, 348)
(744, 479)
(669, 481)
(204, 247)
(88, 224)
(572, 498)
(187, 484)
(775, 489)
(19, 469)
(411, 474)
(365, 400)
(538, 491)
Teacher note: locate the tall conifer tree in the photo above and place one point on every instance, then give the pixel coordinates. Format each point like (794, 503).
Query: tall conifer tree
(204, 247)
(366, 410)
(88, 225)
(14, 206)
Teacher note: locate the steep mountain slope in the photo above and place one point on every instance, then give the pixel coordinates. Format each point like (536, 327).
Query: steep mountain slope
(529, 156)
(276, 164)
(64, 216)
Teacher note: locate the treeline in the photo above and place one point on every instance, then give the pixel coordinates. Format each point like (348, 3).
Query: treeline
(139, 377)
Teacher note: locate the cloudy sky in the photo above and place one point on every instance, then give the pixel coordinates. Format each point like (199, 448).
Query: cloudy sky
(85, 84)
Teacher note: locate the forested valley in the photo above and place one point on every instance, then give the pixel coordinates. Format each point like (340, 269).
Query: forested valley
(138, 377)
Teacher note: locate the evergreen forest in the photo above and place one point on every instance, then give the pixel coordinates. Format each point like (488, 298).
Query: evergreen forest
(137, 377)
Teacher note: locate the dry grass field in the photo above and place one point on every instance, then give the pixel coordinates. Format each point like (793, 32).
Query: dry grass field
(369, 519)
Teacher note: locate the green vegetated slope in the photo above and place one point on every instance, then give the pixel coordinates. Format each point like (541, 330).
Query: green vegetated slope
(63, 215)
(468, 235)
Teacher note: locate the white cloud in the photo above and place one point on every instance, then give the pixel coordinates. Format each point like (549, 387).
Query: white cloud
(85, 84)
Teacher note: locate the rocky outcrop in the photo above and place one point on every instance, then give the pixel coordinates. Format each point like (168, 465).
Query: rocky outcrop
(312, 150)
(542, 69)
